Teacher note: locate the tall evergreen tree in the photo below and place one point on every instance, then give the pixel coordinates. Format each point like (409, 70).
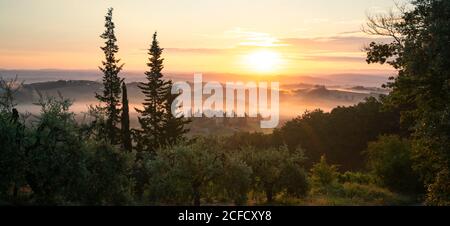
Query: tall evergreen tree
(159, 127)
(125, 120)
(111, 80)
(151, 120)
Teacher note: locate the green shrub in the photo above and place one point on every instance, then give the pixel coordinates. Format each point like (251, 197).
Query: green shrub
(372, 195)
(56, 157)
(109, 181)
(236, 179)
(324, 177)
(12, 154)
(356, 177)
(183, 173)
(389, 159)
(439, 192)
(294, 179)
(276, 170)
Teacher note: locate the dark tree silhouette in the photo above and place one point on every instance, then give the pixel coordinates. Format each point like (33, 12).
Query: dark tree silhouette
(125, 120)
(151, 135)
(421, 54)
(9, 90)
(111, 81)
(342, 134)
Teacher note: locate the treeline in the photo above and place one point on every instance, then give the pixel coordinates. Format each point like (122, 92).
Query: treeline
(342, 134)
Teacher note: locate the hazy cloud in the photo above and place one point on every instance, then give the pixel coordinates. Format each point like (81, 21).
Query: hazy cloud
(332, 43)
(334, 58)
(253, 38)
(196, 50)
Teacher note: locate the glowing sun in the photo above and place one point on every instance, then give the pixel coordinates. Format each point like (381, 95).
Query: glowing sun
(263, 61)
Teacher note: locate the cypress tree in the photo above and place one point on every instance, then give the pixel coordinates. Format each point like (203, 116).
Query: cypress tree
(111, 81)
(159, 127)
(151, 119)
(125, 120)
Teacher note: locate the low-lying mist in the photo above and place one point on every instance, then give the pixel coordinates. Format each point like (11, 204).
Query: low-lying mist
(295, 99)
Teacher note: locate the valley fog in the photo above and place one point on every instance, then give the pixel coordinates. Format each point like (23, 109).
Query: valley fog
(295, 99)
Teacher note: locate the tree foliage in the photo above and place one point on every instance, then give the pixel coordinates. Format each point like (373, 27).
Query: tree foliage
(155, 89)
(389, 159)
(159, 127)
(56, 156)
(342, 134)
(276, 170)
(174, 125)
(51, 161)
(324, 177)
(109, 181)
(236, 179)
(111, 80)
(182, 173)
(125, 121)
(421, 54)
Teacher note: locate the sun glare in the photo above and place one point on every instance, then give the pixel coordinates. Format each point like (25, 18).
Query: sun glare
(263, 61)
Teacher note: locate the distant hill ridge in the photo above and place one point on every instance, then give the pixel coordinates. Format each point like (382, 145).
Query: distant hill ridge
(84, 90)
(373, 79)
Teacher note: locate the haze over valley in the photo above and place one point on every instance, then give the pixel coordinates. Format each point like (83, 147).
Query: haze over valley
(297, 93)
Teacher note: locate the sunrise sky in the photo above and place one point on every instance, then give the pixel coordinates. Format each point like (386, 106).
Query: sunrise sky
(225, 36)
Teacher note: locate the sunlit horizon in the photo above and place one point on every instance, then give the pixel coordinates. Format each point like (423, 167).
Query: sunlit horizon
(279, 38)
